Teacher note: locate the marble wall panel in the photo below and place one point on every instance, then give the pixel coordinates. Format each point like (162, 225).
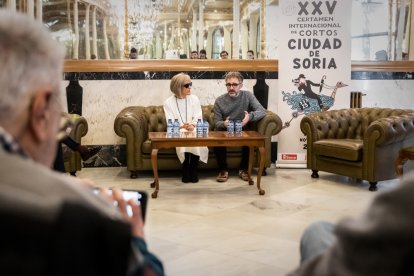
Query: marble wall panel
(104, 99)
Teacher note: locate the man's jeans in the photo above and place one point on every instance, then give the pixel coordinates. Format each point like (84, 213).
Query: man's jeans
(316, 239)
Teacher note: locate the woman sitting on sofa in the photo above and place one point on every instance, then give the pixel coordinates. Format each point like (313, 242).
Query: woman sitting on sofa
(187, 109)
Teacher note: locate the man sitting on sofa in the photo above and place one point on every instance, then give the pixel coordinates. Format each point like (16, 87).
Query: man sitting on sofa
(236, 104)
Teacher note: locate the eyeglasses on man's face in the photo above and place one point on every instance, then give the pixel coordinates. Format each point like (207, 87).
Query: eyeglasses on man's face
(223, 55)
(232, 84)
(188, 85)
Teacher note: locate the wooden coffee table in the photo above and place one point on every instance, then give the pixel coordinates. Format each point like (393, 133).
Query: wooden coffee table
(250, 139)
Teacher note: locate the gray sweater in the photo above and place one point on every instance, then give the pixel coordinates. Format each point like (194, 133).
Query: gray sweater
(234, 107)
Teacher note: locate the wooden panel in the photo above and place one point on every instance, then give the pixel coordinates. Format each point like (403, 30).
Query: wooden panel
(187, 65)
(169, 65)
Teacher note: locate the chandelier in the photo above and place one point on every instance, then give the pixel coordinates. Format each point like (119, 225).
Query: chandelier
(142, 20)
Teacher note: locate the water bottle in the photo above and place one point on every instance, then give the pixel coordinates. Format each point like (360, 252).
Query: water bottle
(206, 127)
(238, 127)
(230, 127)
(199, 128)
(176, 128)
(169, 128)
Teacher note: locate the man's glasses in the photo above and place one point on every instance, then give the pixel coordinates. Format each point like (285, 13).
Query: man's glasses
(223, 55)
(232, 84)
(188, 85)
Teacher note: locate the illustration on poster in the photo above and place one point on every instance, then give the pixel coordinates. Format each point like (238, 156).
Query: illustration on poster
(309, 101)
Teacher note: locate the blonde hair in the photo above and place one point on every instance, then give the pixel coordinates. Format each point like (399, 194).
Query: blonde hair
(177, 83)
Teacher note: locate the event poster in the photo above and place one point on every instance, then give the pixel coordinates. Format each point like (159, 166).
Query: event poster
(314, 68)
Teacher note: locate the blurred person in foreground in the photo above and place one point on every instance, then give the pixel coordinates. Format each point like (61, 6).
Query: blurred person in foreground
(30, 113)
(378, 242)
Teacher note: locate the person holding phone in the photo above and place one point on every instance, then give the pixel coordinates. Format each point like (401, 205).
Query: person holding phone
(187, 109)
(30, 108)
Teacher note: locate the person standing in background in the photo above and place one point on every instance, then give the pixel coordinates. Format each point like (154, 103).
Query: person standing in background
(194, 55)
(250, 54)
(224, 54)
(187, 109)
(133, 54)
(203, 54)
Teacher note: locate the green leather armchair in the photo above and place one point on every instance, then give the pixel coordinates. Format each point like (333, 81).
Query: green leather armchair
(134, 123)
(362, 142)
(72, 159)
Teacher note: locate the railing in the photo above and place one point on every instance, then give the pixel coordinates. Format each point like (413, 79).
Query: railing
(270, 65)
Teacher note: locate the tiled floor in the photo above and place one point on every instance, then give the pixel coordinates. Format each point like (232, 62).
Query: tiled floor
(212, 228)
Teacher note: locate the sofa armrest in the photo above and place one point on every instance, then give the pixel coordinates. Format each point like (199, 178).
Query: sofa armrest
(132, 124)
(79, 128)
(269, 125)
(393, 129)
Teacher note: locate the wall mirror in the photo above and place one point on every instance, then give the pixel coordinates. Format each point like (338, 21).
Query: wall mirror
(158, 29)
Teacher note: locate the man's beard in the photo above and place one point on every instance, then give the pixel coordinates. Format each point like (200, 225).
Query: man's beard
(233, 93)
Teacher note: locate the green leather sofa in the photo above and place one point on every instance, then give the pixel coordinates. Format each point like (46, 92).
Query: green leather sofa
(133, 123)
(72, 159)
(361, 142)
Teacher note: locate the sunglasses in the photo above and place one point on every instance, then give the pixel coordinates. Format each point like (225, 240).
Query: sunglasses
(232, 84)
(188, 85)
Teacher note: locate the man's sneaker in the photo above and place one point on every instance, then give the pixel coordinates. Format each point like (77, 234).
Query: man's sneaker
(244, 175)
(223, 176)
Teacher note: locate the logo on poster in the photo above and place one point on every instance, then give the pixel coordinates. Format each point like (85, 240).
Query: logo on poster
(289, 156)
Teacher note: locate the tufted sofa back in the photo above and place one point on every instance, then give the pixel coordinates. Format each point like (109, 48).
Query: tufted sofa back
(349, 123)
(155, 117)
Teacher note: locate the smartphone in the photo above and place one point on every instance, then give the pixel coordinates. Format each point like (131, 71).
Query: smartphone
(140, 196)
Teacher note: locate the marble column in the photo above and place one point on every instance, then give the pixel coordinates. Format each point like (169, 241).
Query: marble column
(236, 29)
(263, 48)
(400, 29)
(105, 36)
(30, 8)
(179, 30)
(411, 35)
(171, 45)
(158, 46)
(227, 40)
(165, 38)
(76, 28)
(94, 34)
(39, 10)
(87, 39)
(200, 26)
(253, 32)
(194, 32)
(209, 43)
(245, 38)
(11, 5)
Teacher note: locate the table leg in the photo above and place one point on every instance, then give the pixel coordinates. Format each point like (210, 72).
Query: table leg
(249, 170)
(154, 163)
(399, 165)
(262, 157)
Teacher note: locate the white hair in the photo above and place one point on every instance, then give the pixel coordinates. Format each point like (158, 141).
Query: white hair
(29, 59)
